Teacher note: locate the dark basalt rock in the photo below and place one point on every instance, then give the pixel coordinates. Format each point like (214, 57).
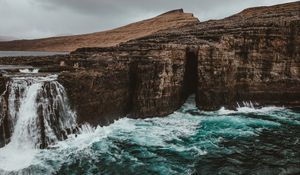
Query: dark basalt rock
(144, 82)
(251, 56)
(5, 133)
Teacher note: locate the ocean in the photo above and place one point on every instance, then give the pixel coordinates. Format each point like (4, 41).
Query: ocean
(247, 140)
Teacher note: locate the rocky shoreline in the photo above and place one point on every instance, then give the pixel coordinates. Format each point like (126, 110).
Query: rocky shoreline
(251, 56)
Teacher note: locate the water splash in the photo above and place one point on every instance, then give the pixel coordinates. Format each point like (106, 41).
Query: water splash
(38, 115)
(185, 142)
(29, 71)
(250, 109)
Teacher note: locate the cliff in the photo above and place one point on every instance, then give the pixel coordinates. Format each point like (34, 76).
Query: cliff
(251, 56)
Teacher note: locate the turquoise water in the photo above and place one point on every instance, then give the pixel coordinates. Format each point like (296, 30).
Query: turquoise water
(189, 141)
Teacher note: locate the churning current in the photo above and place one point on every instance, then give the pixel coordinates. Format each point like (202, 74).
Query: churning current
(244, 141)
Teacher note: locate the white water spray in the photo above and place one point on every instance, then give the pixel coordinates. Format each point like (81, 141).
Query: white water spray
(38, 115)
(29, 71)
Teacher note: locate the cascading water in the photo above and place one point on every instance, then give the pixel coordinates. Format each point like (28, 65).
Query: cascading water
(29, 71)
(37, 115)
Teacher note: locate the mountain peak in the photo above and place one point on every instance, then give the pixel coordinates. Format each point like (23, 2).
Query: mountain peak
(169, 20)
(173, 11)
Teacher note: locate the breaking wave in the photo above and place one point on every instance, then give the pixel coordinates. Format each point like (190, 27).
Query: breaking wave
(188, 141)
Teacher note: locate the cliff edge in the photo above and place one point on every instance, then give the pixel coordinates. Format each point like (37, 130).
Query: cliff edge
(172, 19)
(253, 56)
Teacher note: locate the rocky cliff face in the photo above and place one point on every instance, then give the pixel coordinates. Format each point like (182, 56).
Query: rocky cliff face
(252, 56)
(140, 82)
(255, 57)
(106, 83)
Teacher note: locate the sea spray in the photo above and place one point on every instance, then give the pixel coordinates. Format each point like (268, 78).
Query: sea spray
(189, 141)
(38, 114)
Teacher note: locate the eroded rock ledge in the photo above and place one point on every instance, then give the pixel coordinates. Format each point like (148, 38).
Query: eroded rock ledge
(252, 56)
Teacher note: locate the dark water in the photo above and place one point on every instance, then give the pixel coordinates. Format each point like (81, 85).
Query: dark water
(29, 53)
(247, 141)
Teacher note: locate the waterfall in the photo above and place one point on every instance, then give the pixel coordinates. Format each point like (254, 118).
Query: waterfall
(29, 71)
(38, 113)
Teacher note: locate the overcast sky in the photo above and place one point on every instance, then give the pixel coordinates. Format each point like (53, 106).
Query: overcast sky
(44, 18)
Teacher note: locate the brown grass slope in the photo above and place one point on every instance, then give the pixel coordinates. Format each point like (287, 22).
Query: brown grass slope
(172, 19)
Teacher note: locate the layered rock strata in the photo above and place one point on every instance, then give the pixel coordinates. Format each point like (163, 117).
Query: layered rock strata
(251, 56)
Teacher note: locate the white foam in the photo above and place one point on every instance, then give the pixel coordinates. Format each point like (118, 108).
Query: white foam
(14, 159)
(86, 129)
(36, 79)
(269, 109)
(29, 71)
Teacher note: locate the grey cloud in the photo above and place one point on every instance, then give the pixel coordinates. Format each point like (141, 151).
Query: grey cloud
(43, 18)
(133, 7)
